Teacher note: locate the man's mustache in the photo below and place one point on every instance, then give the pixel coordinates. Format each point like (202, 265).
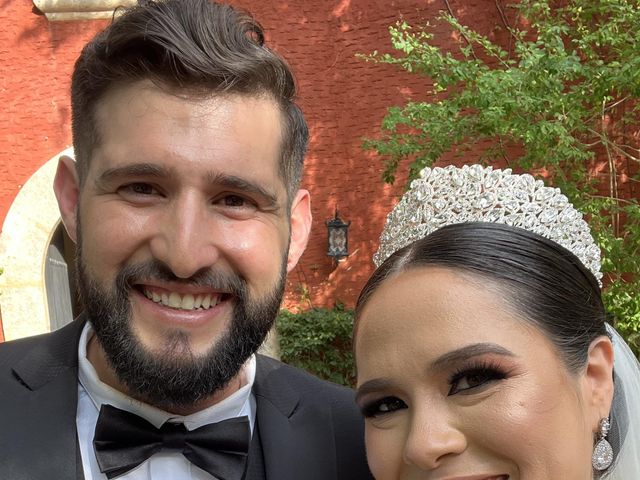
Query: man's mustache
(213, 279)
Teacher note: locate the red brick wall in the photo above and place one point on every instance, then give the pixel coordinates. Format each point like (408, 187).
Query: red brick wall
(344, 100)
(37, 58)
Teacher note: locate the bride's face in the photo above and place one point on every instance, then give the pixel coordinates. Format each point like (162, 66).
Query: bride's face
(455, 386)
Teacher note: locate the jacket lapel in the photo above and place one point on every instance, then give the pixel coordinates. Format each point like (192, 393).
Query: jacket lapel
(49, 370)
(296, 432)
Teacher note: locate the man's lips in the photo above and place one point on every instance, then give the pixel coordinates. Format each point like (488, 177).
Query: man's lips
(183, 301)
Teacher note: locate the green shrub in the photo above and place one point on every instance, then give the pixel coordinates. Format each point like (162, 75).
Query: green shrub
(566, 90)
(319, 341)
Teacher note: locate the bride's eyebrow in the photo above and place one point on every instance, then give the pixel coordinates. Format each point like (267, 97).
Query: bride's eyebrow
(465, 353)
(372, 386)
(455, 356)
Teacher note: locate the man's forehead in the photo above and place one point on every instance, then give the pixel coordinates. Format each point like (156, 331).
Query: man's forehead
(146, 93)
(238, 119)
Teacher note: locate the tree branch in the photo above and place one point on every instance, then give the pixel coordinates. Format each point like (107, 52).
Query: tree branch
(446, 2)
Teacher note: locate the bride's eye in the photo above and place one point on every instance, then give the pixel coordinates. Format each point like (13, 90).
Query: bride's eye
(383, 406)
(470, 379)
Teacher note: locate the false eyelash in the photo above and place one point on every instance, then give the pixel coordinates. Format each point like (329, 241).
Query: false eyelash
(371, 409)
(493, 370)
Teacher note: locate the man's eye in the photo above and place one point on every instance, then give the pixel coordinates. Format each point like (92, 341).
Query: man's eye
(468, 380)
(234, 201)
(139, 189)
(383, 406)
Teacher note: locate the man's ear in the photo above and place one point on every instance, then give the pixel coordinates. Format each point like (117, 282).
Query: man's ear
(67, 189)
(300, 227)
(598, 380)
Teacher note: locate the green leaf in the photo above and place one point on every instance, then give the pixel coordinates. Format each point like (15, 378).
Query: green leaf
(550, 98)
(319, 341)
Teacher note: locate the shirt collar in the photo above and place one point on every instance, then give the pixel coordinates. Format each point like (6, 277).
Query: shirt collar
(236, 404)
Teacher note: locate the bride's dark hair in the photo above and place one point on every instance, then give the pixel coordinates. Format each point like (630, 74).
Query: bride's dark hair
(542, 281)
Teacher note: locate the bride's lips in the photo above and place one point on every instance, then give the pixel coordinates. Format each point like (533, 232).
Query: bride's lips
(479, 477)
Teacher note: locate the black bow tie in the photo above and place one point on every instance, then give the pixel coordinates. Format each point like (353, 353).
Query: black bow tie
(123, 441)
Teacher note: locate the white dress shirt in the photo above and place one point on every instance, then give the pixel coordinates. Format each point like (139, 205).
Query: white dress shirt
(92, 393)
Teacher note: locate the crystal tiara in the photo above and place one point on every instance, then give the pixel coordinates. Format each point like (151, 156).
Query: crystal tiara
(472, 193)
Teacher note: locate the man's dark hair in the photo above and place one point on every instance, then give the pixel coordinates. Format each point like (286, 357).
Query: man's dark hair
(192, 47)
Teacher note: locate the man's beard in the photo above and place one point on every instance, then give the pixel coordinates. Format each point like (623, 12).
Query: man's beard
(172, 376)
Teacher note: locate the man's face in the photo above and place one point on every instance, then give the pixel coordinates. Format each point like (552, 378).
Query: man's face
(182, 219)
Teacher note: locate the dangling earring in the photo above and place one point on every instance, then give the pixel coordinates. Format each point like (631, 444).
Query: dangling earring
(602, 453)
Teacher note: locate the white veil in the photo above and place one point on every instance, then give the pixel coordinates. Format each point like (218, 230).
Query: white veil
(625, 412)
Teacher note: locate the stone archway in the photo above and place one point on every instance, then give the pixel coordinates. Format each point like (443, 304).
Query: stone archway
(33, 257)
(69, 10)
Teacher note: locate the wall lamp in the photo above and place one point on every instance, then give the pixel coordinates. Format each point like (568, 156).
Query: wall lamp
(338, 237)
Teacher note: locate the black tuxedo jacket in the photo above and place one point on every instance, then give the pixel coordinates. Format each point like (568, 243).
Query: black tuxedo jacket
(309, 429)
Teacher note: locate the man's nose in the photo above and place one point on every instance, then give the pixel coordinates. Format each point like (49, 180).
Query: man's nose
(186, 237)
(432, 438)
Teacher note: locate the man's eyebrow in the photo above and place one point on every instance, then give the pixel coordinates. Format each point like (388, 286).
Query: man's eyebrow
(132, 170)
(372, 386)
(470, 351)
(234, 182)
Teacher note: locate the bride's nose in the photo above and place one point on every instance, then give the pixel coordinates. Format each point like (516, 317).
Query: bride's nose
(432, 438)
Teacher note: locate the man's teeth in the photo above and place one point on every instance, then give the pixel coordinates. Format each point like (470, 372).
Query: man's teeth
(184, 302)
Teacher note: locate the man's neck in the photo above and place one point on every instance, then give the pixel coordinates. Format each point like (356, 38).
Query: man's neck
(98, 359)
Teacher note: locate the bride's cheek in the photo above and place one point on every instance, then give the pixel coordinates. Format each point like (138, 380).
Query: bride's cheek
(384, 452)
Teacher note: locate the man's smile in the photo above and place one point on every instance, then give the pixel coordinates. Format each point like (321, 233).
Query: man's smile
(186, 301)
